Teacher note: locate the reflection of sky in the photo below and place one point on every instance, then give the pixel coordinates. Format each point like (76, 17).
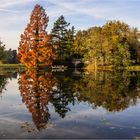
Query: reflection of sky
(80, 13)
(81, 122)
(10, 102)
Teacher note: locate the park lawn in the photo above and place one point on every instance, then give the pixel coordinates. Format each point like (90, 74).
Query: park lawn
(11, 65)
(110, 68)
(89, 67)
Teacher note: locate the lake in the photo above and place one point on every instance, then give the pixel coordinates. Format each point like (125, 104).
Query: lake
(71, 104)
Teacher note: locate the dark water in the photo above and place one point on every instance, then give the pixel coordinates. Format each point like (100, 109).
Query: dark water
(70, 105)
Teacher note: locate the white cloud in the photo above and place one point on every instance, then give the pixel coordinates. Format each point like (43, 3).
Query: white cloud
(82, 14)
(9, 11)
(113, 10)
(10, 38)
(10, 3)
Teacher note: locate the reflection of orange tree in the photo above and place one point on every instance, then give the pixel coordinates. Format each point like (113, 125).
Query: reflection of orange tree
(35, 91)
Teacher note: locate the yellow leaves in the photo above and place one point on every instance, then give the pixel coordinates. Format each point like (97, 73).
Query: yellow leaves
(115, 39)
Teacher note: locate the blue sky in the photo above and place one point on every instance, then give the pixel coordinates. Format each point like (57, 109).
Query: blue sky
(15, 14)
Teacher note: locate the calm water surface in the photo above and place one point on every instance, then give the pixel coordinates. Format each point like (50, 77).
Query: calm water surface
(69, 105)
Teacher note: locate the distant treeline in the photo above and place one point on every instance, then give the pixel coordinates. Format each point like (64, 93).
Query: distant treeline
(7, 56)
(114, 44)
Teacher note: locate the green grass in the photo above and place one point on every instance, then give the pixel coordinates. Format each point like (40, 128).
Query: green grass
(130, 68)
(17, 67)
(90, 67)
(11, 65)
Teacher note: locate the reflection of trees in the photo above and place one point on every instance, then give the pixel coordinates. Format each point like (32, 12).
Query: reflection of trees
(35, 91)
(63, 95)
(3, 82)
(4, 76)
(114, 91)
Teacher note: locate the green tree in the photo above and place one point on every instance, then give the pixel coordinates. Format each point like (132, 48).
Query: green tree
(134, 43)
(79, 44)
(114, 44)
(2, 52)
(69, 42)
(63, 38)
(117, 47)
(11, 56)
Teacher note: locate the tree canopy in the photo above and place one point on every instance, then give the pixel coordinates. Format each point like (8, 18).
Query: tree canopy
(63, 38)
(7, 56)
(114, 44)
(34, 47)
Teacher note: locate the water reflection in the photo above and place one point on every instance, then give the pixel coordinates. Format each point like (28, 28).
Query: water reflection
(114, 91)
(36, 90)
(4, 76)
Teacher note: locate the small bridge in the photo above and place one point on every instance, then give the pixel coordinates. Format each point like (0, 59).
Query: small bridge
(76, 62)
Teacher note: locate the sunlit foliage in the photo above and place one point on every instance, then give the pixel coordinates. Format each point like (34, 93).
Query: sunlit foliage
(34, 47)
(114, 44)
(114, 91)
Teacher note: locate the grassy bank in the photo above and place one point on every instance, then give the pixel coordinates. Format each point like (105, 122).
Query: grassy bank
(12, 67)
(89, 67)
(21, 67)
(110, 68)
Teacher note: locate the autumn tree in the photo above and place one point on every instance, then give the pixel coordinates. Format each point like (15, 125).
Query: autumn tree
(79, 44)
(114, 44)
(116, 35)
(34, 47)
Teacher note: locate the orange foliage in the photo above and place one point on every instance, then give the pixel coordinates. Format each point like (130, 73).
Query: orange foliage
(36, 90)
(34, 47)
